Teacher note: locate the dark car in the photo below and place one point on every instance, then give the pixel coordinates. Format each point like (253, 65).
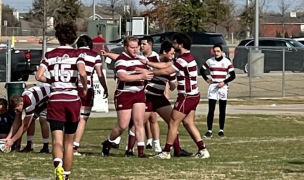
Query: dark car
(201, 53)
(273, 54)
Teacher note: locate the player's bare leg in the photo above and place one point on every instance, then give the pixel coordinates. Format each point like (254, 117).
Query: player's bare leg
(80, 129)
(155, 132)
(68, 154)
(165, 113)
(30, 138)
(123, 120)
(148, 132)
(138, 119)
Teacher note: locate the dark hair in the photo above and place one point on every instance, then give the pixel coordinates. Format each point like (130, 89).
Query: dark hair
(84, 41)
(218, 46)
(165, 46)
(99, 33)
(130, 39)
(149, 39)
(66, 32)
(3, 102)
(184, 39)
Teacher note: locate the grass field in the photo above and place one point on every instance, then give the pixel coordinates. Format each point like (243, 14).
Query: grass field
(256, 147)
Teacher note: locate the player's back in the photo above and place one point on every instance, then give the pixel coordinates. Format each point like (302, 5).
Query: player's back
(62, 65)
(91, 59)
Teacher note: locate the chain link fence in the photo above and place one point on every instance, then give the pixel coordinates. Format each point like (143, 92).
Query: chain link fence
(276, 82)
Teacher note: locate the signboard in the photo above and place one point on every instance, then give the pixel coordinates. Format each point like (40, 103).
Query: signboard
(100, 104)
(138, 25)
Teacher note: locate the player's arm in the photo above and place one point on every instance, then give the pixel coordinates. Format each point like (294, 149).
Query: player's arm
(164, 71)
(172, 85)
(111, 55)
(40, 74)
(21, 130)
(102, 80)
(203, 72)
(144, 75)
(231, 77)
(158, 65)
(16, 124)
(83, 75)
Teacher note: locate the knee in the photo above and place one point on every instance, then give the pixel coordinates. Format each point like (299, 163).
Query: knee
(186, 124)
(121, 127)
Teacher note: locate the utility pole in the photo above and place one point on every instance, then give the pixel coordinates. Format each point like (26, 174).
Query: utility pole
(94, 10)
(248, 27)
(256, 24)
(112, 8)
(0, 18)
(44, 28)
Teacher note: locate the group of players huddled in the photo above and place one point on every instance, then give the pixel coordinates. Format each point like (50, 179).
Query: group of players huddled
(65, 98)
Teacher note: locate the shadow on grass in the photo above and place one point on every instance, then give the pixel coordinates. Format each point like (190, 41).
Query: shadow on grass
(296, 162)
(292, 171)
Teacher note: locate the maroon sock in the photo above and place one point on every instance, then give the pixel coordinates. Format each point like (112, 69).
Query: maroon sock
(75, 148)
(140, 150)
(131, 142)
(56, 163)
(176, 145)
(200, 144)
(167, 147)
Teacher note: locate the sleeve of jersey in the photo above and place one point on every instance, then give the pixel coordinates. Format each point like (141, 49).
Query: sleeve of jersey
(172, 77)
(179, 64)
(206, 65)
(230, 67)
(120, 66)
(98, 61)
(29, 110)
(44, 63)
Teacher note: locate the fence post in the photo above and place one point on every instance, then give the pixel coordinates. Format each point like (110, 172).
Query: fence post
(8, 61)
(283, 74)
(249, 64)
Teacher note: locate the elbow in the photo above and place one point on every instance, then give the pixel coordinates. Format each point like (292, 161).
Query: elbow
(37, 77)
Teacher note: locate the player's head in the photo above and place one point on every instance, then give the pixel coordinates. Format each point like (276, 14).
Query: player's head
(218, 50)
(84, 41)
(131, 45)
(3, 106)
(146, 44)
(99, 33)
(167, 51)
(66, 33)
(181, 41)
(16, 103)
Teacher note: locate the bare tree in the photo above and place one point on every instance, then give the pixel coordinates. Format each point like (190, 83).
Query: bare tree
(283, 7)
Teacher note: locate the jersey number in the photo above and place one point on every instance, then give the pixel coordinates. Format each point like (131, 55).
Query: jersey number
(61, 71)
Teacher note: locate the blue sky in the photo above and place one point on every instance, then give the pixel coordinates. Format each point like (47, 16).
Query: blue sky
(25, 5)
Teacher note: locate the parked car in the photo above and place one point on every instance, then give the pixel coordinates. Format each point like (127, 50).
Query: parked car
(301, 40)
(201, 53)
(272, 48)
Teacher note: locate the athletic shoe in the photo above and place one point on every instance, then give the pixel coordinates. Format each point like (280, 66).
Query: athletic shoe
(115, 146)
(105, 149)
(27, 149)
(221, 134)
(143, 156)
(44, 150)
(129, 154)
(76, 153)
(148, 146)
(182, 153)
(208, 134)
(163, 155)
(59, 172)
(203, 154)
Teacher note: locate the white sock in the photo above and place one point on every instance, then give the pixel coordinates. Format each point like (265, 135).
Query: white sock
(210, 131)
(30, 138)
(117, 140)
(76, 144)
(149, 141)
(58, 160)
(157, 146)
(140, 143)
(221, 130)
(45, 140)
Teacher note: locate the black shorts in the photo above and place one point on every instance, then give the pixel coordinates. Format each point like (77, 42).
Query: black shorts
(67, 127)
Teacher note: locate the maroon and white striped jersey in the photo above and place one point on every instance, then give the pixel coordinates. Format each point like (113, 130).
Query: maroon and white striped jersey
(157, 85)
(33, 97)
(186, 74)
(91, 60)
(62, 63)
(219, 70)
(125, 63)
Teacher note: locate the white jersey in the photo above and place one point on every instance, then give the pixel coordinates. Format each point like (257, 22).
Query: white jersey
(219, 70)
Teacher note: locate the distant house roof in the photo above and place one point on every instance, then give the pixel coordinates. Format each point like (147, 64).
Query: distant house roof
(277, 19)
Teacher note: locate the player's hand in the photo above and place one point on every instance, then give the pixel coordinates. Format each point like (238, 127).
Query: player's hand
(85, 91)
(221, 84)
(105, 94)
(8, 144)
(142, 60)
(103, 53)
(147, 75)
(209, 81)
